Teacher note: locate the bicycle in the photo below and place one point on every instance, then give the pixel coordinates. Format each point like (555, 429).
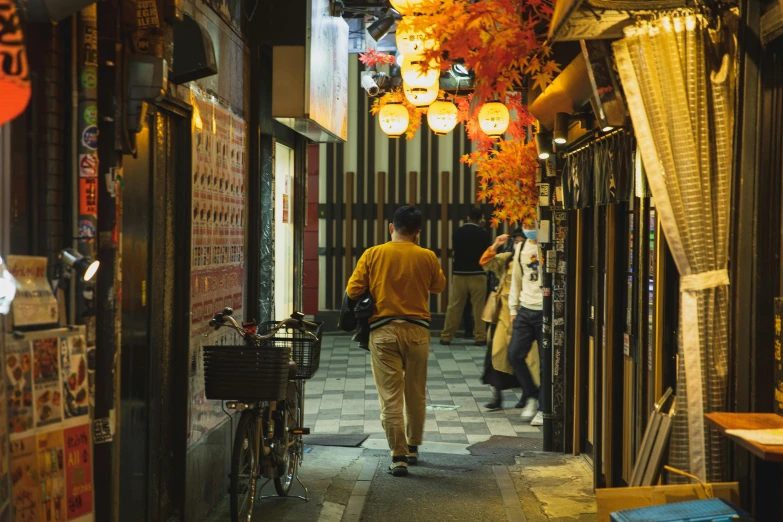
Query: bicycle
(264, 380)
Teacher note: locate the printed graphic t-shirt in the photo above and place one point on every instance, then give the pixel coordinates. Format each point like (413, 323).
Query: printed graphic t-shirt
(530, 297)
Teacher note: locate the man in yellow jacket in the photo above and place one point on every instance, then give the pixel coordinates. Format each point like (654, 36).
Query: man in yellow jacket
(400, 276)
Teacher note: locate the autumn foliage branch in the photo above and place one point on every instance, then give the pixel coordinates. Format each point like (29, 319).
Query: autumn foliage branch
(503, 43)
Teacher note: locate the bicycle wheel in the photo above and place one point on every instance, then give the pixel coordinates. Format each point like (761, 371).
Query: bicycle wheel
(290, 458)
(243, 468)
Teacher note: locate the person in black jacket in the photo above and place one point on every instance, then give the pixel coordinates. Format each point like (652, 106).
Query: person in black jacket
(468, 278)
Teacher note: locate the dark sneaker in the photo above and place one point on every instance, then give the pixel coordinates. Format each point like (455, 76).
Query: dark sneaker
(445, 343)
(481, 343)
(399, 469)
(495, 405)
(413, 455)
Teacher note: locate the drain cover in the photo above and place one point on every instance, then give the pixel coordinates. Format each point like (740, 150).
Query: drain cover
(442, 407)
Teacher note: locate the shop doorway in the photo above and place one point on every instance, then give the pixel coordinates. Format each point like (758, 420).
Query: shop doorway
(284, 232)
(148, 420)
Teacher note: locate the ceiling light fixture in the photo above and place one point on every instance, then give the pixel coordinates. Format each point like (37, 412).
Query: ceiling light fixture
(380, 28)
(460, 71)
(544, 145)
(561, 128)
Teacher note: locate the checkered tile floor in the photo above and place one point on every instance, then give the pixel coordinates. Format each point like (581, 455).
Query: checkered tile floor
(342, 398)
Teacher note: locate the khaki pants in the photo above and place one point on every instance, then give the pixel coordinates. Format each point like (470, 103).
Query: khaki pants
(399, 364)
(463, 286)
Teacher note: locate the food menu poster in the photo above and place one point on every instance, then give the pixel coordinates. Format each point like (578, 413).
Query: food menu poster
(45, 382)
(217, 240)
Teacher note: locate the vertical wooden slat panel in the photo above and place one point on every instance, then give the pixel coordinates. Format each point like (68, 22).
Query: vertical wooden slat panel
(381, 203)
(349, 240)
(329, 219)
(444, 231)
(339, 224)
(402, 165)
(412, 198)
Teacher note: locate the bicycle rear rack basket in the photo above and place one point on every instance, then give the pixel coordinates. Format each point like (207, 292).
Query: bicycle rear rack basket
(306, 351)
(246, 373)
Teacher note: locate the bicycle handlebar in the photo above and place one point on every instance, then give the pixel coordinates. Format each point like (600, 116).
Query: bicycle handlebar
(296, 320)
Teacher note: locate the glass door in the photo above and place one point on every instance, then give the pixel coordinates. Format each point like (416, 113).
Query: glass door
(284, 232)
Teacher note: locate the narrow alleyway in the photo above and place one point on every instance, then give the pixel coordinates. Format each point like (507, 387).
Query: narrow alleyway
(474, 464)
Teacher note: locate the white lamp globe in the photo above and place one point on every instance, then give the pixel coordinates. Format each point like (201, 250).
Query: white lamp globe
(494, 119)
(393, 119)
(420, 97)
(442, 117)
(413, 75)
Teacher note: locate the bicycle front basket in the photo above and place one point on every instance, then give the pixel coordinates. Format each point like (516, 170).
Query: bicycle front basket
(306, 351)
(246, 373)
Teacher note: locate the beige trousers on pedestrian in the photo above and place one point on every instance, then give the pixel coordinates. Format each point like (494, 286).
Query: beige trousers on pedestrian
(399, 364)
(463, 286)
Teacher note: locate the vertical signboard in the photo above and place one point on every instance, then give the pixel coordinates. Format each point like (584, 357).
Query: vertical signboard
(217, 242)
(778, 339)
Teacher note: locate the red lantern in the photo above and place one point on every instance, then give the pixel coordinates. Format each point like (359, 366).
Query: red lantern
(14, 71)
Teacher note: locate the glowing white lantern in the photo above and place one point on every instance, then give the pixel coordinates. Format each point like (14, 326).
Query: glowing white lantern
(442, 117)
(414, 42)
(406, 6)
(494, 119)
(421, 97)
(393, 119)
(415, 75)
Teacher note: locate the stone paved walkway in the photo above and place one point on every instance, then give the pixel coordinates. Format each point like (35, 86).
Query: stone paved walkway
(342, 398)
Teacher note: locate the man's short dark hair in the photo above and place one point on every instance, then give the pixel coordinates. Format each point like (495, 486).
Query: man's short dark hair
(407, 220)
(476, 214)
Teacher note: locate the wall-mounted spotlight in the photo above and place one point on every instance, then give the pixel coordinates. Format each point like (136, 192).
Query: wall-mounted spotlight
(380, 28)
(561, 128)
(460, 71)
(544, 145)
(84, 267)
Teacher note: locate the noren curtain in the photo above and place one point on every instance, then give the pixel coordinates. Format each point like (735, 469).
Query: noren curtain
(678, 76)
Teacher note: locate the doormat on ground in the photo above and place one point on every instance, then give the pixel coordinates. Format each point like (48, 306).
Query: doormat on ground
(506, 448)
(347, 440)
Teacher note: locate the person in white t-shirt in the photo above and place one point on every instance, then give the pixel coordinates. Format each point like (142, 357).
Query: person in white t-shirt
(526, 305)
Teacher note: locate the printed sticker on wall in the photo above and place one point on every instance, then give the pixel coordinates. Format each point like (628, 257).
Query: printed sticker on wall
(51, 475)
(46, 375)
(88, 165)
(24, 475)
(90, 137)
(78, 471)
(91, 115)
(19, 386)
(74, 376)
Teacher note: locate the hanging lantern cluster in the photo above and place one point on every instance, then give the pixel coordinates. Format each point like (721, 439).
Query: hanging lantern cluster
(421, 83)
(420, 78)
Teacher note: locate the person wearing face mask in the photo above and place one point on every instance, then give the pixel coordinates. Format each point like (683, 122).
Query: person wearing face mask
(498, 372)
(526, 306)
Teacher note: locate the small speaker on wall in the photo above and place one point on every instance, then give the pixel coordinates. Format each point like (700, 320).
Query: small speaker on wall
(607, 101)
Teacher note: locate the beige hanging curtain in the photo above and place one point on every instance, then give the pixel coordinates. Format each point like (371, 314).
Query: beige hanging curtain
(679, 86)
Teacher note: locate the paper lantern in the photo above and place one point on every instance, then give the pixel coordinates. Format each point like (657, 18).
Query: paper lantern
(493, 119)
(393, 119)
(442, 117)
(406, 6)
(15, 87)
(421, 97)
(413, 73)
(414, 42)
